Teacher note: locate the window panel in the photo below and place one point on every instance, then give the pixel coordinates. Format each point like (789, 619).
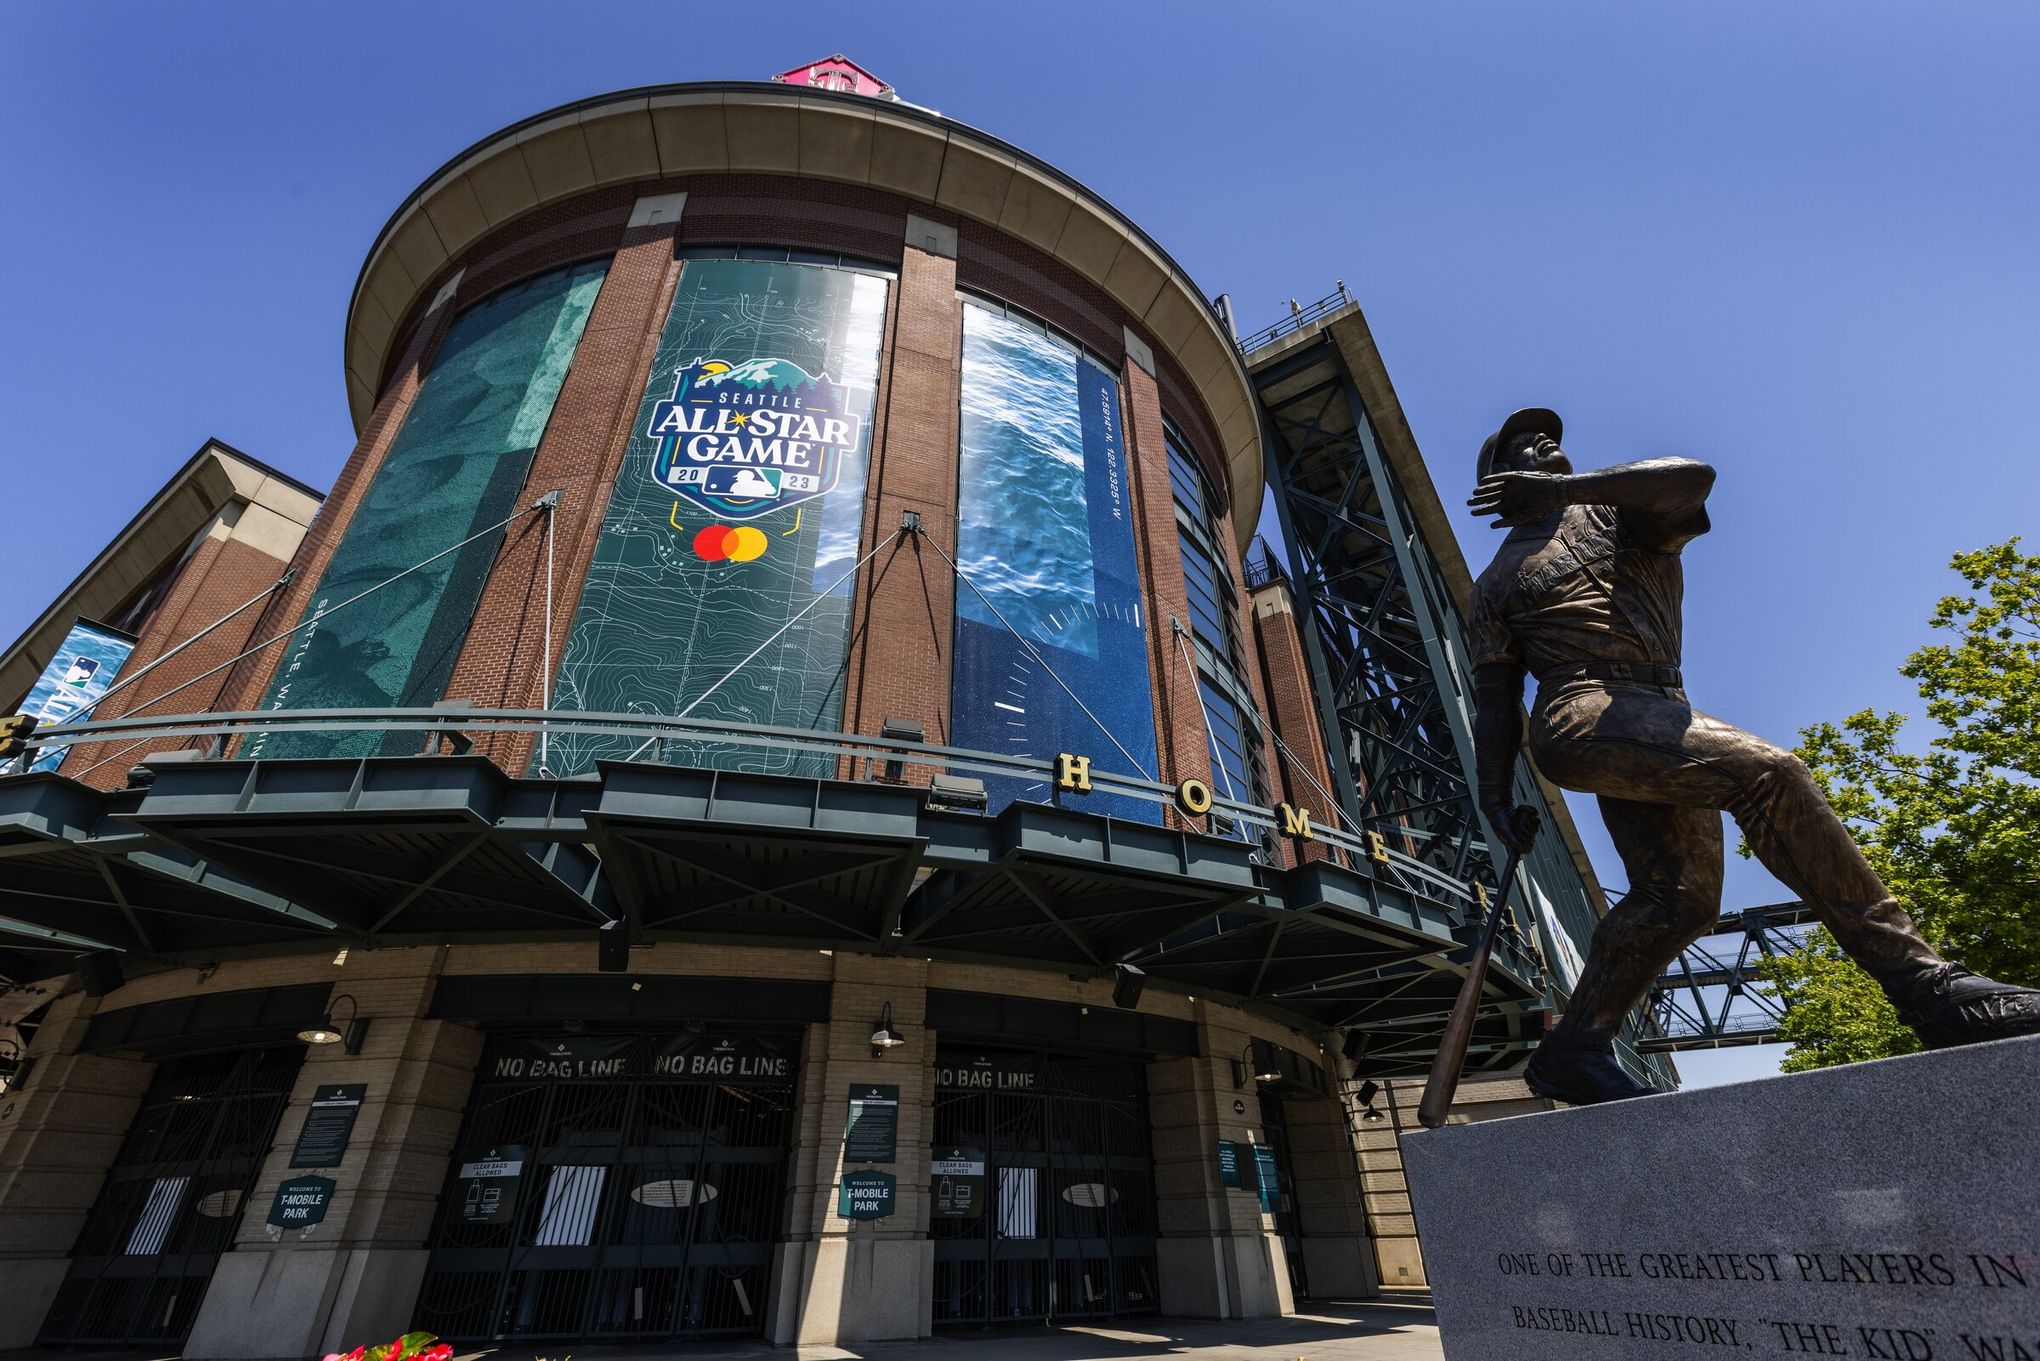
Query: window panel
(456, 467)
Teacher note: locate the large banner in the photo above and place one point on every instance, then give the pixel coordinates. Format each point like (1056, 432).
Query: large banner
(82, 670)
(721, 581)
(456, 467)
(1045, 534)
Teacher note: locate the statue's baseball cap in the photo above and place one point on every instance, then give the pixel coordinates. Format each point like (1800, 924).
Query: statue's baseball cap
(1531, 420)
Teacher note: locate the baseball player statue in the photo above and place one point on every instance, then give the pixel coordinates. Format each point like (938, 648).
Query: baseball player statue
(1585, 595)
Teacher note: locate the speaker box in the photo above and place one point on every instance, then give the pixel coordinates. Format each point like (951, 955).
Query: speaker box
(1126, 987)
(100, 972)
(612, 948)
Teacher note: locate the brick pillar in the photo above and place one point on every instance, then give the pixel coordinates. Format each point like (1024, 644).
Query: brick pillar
(1304, 766)
(244, 685)
(356, 1277)
(1338, 1257)
(58, 1136)
(837, 1281)
(245, 549)
(1219, 1255)
(1179, 714)
(906, 596)
(580, 456)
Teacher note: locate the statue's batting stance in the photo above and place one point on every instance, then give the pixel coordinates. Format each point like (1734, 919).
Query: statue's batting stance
(1585, 595)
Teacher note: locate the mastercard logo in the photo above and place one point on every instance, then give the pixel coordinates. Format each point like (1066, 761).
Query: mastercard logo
(720, 543)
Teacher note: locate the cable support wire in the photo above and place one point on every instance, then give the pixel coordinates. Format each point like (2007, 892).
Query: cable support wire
(964, 577)
(773, 637)
(1210, 741)
(326, 613)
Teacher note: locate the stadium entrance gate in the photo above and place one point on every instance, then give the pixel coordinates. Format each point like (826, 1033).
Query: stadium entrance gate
(622, 1186)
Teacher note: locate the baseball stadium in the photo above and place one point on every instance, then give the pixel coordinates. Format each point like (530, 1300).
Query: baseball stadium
(844, 757)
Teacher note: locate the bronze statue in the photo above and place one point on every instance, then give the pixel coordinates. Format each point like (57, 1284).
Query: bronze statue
(1585, 595)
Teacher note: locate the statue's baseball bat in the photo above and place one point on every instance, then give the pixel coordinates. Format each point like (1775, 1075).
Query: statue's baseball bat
(1444, 1079)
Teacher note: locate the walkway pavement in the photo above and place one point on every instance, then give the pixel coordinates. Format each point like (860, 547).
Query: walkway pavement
(1392, 1330)
(1397, 1330)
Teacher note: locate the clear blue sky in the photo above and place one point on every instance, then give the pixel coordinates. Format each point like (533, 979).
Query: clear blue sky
(1801, 241)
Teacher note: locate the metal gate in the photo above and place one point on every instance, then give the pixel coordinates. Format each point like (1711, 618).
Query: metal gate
(1279, 1199)
(1044, 1205)
(172, 1199)
(614, 1186)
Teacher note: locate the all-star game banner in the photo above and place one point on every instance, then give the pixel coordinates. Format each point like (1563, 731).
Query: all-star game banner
(82, 670)
(740, 504)
(1045, 534)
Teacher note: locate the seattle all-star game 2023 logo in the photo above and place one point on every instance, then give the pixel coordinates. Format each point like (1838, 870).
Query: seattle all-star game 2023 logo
(742, 440)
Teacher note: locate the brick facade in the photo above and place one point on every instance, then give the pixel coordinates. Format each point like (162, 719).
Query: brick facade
(222, 574)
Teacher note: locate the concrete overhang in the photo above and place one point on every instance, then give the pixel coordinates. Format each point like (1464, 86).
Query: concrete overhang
(665, 131)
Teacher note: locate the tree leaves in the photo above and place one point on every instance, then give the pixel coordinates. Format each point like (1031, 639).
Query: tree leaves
(1954, 829)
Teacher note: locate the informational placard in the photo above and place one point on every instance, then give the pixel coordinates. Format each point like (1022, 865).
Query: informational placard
(301, 1202)
(871, 1133)
(80, 672)
(329, 1124)
(1228, 1164)
(487, 1190)
(957, 1178)
(865, 1195)
(1267, 1178)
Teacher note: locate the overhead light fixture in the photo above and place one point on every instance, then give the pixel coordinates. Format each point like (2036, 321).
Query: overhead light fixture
(960, 793)
(899, 730)
(328, 1031)
(885, 1037)
(1243, 1068)
(1367, 1091)
(1354, 1046)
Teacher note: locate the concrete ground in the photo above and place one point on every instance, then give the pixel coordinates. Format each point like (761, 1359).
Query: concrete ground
(1377, 1330)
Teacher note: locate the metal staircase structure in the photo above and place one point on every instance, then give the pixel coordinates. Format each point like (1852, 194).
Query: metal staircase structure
(1371, 559)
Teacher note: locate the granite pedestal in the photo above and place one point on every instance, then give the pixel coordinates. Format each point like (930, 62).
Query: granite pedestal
(1886, 1211)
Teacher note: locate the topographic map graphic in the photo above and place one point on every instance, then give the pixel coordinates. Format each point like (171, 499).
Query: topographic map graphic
(677, 600)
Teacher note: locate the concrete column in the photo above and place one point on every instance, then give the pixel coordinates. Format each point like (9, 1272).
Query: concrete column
(1399, 1257)
(906, 598)
(1179, 712)
(1302, 764)
(1219, 1255)
(355, 1278)
(837, 1281)
(1338, 1258)
(580, 457)
(58, 1136)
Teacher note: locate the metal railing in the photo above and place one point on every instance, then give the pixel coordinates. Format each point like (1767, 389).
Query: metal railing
(1300, 316)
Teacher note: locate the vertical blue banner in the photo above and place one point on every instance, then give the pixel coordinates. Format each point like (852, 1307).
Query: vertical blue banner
(82, 670)
(1045, 536)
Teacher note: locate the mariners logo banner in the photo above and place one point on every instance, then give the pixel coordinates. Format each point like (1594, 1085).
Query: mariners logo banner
(741, 440)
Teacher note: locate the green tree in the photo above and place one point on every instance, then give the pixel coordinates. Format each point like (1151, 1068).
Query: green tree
(1954, 830)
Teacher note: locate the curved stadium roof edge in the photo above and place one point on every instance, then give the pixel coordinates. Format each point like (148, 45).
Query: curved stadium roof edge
(749, 127)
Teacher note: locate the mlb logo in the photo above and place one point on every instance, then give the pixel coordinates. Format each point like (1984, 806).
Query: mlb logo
(744, 484)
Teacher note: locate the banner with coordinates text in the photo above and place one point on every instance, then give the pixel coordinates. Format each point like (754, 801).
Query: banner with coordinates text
(1045, 536)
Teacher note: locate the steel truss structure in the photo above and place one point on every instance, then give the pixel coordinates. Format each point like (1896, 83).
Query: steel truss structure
(1713, 995)
(1385, 640)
